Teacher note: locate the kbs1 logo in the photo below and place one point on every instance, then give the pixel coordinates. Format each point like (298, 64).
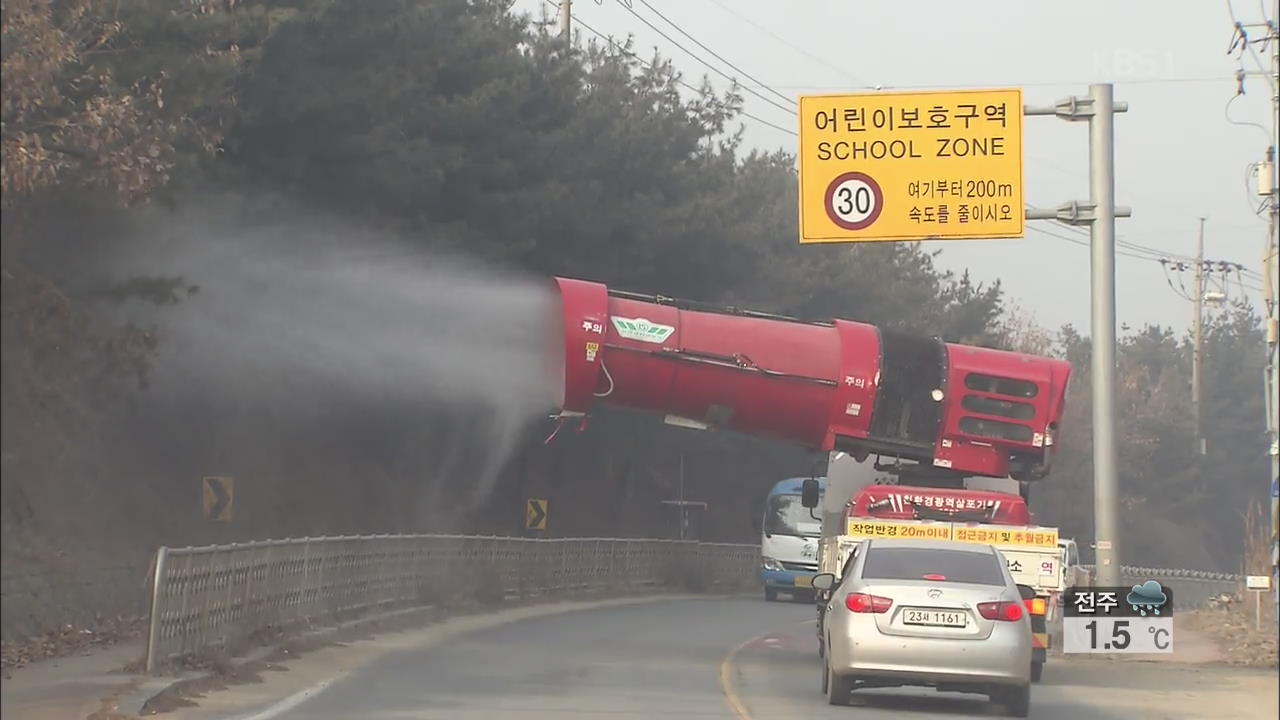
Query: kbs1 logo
(1131, 63)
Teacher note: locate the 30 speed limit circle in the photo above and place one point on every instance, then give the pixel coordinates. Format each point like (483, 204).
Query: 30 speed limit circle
(854, 201)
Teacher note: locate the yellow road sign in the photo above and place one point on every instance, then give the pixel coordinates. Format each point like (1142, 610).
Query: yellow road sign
(217, 496)
(911, 166)
(535, 514)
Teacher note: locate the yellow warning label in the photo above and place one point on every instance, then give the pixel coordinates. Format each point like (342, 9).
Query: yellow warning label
(899, 530)
(989, 535)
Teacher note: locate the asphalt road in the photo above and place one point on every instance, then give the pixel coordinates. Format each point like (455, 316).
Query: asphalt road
(718, 658)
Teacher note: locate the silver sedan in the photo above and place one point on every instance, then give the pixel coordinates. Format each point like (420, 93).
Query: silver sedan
(934, 613)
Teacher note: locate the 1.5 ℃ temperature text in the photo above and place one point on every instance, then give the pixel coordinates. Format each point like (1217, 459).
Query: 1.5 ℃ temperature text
(1103, 634)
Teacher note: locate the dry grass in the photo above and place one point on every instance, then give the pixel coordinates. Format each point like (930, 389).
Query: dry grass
(69, 640)
(1235, 632)
(1235, 626)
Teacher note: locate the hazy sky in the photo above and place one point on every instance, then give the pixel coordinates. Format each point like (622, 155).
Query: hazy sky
(1178, 158)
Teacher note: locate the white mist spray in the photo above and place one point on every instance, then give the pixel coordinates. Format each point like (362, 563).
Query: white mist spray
(293, 313)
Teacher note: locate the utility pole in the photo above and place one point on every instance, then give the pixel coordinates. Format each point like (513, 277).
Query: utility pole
(1197, 328)
(566, 19)
(1102, 193)
(1199, 296)
(1272, 403)
(1100, 214)
(1266, 175)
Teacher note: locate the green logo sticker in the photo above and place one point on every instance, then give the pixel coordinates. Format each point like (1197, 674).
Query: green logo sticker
(642, 330)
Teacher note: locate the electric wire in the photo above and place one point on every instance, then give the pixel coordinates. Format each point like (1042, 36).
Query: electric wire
(706, 64)
(682, 82)
(716, 55)
(623, 49)
(1226, 112)
(816, 58)
(1163, 261)
(1169, 279)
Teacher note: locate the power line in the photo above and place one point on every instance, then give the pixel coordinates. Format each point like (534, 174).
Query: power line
(621, 48)
(1226, 113)
(1121, 243)
(1216, 271)
(1083, 243)
(797, 48)
(1181, 289)
(1158, 254)
(1150, 252)
(716, 55)
(1119, 252)
(708, 65)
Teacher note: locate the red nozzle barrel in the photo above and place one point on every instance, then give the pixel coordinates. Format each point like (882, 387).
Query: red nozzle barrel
(739, 372)
(828, 385)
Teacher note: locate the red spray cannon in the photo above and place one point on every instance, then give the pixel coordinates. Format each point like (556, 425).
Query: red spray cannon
(826, 385)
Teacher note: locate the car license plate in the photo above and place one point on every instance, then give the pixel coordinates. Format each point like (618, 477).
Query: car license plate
(804, 581)
(935, 618)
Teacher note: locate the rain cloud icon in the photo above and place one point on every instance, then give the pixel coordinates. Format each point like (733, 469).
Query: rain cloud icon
(1147, 597)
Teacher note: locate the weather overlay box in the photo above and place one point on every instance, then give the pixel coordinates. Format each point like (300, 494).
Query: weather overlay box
(1132, 619)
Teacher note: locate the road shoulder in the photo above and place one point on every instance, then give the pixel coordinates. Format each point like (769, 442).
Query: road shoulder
(70, 687)
(284, 682)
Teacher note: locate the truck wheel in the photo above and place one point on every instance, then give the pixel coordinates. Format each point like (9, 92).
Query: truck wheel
(1037, 669)
(770, 594)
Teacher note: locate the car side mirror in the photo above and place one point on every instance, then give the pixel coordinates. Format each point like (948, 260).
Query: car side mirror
(809, 493)
(1026, 591)
(824, 581)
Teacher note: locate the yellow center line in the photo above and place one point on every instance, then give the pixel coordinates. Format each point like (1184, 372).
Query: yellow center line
(731, 695)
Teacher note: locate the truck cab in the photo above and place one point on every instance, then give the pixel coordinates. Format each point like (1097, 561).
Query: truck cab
(789, 540)
(1073, 573)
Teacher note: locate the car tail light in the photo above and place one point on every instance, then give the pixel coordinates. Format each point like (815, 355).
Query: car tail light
(1004, 611)
(864, 603)
(1035, 605)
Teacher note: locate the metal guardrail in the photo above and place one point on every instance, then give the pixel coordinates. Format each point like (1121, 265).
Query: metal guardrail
(218, 596)
(1192, 589)
(221, 595)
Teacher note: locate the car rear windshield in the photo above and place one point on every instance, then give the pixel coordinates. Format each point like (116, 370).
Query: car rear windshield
(939, 565)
